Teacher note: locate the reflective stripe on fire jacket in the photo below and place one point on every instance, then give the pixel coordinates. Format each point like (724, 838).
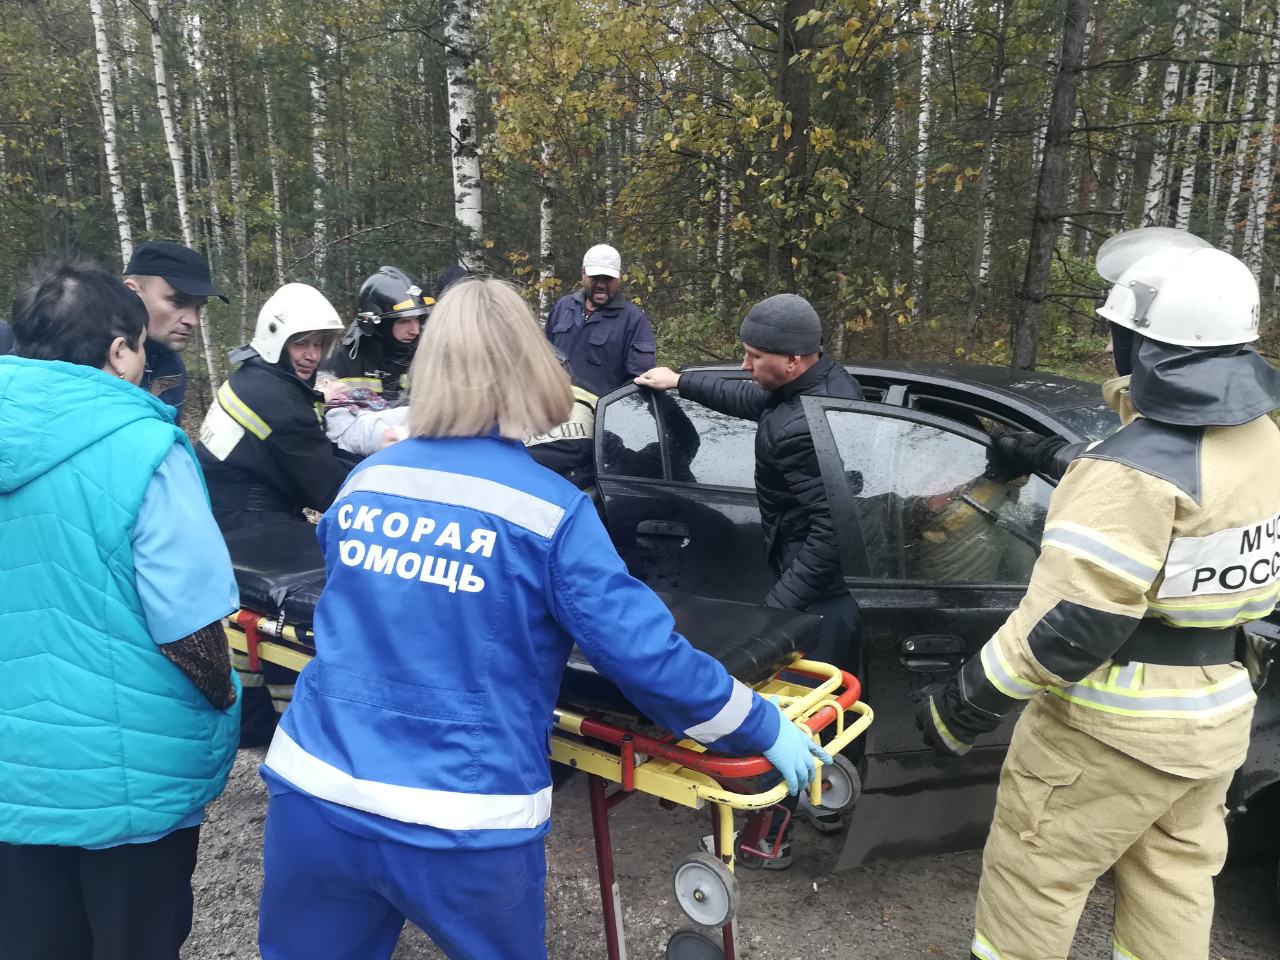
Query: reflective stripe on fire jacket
(1177, 524)
(460, 573)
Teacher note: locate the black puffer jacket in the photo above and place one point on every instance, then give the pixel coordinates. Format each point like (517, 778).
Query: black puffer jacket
(799, 537)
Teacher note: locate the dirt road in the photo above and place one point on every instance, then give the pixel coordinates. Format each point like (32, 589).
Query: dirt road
(889, 911)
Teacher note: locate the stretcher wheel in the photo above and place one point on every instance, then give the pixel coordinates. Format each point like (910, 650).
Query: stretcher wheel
(841, 786)
(691, 944)
(706, 890)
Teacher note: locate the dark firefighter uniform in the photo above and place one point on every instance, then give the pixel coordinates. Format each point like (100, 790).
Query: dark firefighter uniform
(369, 355)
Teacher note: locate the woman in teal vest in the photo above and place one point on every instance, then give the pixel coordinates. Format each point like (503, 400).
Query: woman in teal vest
(118, 707)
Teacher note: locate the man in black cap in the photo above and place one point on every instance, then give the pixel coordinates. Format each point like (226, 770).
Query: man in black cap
(781, 341)
(174, 284)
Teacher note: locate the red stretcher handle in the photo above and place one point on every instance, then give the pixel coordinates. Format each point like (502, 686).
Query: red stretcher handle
(712, 764)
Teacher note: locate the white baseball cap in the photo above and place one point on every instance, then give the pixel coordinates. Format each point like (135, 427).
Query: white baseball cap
(602, 260)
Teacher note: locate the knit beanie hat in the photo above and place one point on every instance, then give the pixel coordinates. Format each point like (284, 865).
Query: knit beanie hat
(783, 323)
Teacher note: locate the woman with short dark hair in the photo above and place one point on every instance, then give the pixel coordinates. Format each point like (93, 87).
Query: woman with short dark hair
(118, 709)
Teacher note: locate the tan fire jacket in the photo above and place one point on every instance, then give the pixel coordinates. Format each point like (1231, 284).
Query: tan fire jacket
(1179, 524)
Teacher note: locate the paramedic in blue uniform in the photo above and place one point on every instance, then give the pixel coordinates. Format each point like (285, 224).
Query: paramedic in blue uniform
(409, 778)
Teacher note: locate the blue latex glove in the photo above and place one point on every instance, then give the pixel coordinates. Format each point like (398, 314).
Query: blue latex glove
(792, 753)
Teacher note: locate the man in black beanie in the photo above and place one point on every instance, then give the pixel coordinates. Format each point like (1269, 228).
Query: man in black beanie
(781, 340)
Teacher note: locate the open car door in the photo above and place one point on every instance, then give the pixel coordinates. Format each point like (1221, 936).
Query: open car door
(937, 554)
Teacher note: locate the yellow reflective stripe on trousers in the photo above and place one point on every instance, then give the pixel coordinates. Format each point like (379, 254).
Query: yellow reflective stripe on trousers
(240, 413)
(1219, 613)
(1104, 551)
(1002, 677)
(1120, 953)
(1199, 703)
(981, 947)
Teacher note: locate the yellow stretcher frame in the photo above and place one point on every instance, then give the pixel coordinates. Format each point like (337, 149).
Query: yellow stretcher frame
(661, 778)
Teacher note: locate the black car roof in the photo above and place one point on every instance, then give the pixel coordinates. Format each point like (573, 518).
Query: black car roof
(1046, 390)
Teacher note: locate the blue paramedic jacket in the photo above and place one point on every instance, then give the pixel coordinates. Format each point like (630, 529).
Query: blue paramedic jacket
(460, 574)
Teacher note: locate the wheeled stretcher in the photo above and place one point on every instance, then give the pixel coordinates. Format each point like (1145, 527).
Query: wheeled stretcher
(280, 573)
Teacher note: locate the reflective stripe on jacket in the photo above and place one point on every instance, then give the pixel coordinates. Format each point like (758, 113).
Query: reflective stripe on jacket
(460, 573)
(1177, 524)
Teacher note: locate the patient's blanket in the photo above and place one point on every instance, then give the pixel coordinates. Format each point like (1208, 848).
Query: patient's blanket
(280, 571)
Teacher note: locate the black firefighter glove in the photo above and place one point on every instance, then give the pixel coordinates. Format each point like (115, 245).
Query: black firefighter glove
(1021, 452)
(949, 724)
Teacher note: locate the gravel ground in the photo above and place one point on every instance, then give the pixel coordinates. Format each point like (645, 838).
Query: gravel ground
(888, 911)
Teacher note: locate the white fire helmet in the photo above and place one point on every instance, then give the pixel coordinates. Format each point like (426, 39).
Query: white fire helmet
(293, 309)
(1173, 287)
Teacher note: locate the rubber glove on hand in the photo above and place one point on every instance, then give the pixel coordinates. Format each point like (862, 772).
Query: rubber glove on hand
(792, 753)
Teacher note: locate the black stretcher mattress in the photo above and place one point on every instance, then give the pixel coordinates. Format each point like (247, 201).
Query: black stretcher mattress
(280, 571)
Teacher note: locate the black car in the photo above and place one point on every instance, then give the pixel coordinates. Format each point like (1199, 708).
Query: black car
(936, 554)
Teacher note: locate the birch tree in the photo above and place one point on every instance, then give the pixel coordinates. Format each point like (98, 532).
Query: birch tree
(175, 161)
(195, 39)
(922, 161)
(1263, 175)
(1230, 221)
(981, 263)
(107, 101)
(1154, 203)
(237, 186)
(319, 166)
(1204, 28)
(129, 43)
(546, 231)
(468, 206)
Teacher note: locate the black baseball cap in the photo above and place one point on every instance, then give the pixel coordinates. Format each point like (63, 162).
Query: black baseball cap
(185, 269)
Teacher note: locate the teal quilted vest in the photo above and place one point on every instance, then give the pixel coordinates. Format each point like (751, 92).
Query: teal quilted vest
(102, 739)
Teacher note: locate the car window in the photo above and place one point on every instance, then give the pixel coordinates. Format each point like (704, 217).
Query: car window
(630, 445)
(926, 509)
(709, 447)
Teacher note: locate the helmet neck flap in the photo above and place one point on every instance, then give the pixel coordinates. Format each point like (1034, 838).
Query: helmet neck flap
(1202, 386)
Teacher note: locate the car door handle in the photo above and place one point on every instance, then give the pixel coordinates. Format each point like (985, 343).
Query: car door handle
(662, 528)
(933, 653)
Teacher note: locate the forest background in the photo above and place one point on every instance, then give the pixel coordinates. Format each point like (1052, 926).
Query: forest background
(935, 175)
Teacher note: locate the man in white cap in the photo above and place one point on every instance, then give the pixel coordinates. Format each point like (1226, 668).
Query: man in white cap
(606, 338)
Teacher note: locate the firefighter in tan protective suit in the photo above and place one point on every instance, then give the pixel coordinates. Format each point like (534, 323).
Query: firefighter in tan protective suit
(1160, 542)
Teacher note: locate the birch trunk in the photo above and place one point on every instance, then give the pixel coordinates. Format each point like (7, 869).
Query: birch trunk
(175, 161)
(277, 189)
(1154, 202)
(546, 232)
(1263, 174)
(129, 42)
(468, 208)
(1127, 161)
(107, 100)
(320, 168)
(1049, 190)
(1191, 145)
(981, 263)
(922, 167)
(1230, 223)
(170, 130)
(195, 37)
(237, 189)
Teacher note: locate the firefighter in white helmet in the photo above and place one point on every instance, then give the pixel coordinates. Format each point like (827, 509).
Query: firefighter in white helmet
(263, 449)
(1161, 542)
